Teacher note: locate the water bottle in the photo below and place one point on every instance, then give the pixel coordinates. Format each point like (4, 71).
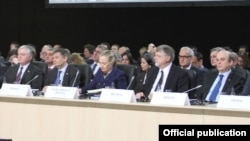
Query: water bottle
(4, 80)
(112, 85)
(60, 83)
(232, 91)
(158, 88)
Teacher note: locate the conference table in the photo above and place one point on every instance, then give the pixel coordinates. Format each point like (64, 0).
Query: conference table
(50, 119)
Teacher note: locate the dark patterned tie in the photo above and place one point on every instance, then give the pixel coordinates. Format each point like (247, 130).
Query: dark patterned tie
(18, 77)
(158, 86)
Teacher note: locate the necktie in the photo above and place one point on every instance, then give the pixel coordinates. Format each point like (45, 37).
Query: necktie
(216, 89)
(158, 86)
(57, 82)
(18, 77)
(94, 66)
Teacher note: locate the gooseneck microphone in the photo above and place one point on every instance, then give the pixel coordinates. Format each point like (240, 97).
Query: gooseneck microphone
(197, 101)
(34, 78)
(131, 81)
(77, 73)
(192, 89)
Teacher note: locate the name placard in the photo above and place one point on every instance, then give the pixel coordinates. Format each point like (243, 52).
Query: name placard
(16, 90)
(170, 98)
(233, 101)
(61, 92)
(118, 95)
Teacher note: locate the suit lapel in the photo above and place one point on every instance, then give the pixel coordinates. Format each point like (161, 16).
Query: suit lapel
(26, 73)
(228, 83)
(66, 76)
(15, 70)
(170, 77)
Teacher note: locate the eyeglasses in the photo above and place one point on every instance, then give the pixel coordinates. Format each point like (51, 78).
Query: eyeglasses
(184, 56)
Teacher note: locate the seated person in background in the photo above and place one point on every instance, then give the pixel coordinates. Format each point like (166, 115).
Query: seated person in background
(127, 58)
(213, 53)
(76, 58)
(197, 61)
(25, 71)
(166, 76)
(95, 64)
(49, 59)
(108, 74)
(43, 51)
(62, 74)
(224, 80)
(12, 55)
(241, 71)
(196, 75)
(88, 53)
(246, 88)
(147, 62)
(115, 48)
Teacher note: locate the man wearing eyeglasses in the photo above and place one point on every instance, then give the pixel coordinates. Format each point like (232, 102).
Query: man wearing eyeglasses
(195, 74)
(171, 77)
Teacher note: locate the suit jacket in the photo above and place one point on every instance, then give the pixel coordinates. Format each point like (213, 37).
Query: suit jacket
(241, 71)
(199, 75)
(117, 76)
(246, 89)
(177, 80)
(197, 80)
(234, 80)
(3, 69)
(31, 71)
(139, 82)
(68, 78)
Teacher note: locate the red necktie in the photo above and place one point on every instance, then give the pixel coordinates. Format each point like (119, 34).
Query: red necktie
(18, 77)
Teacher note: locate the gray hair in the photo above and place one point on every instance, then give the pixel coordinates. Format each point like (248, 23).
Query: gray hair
(31, 49)
(217, 49)
(167, 50)
(63, 52)
(233, 56)
(188, 49)
(101, 46)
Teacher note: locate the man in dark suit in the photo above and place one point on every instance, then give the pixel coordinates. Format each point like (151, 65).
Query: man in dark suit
(25, 71)
(172, 77)
(108, 75)
(185, 61)
(231, 82)
(88, 53)
(197, 61)
(62, 74)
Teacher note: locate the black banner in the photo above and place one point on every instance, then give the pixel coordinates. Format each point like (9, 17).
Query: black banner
(201, 132)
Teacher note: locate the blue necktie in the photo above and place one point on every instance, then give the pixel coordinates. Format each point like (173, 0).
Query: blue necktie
(216, 89)
(57, 82)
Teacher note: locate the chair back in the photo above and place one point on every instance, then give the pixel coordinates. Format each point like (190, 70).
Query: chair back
(191, 82)
(131, 72)
(85, 73)
(42, 65)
